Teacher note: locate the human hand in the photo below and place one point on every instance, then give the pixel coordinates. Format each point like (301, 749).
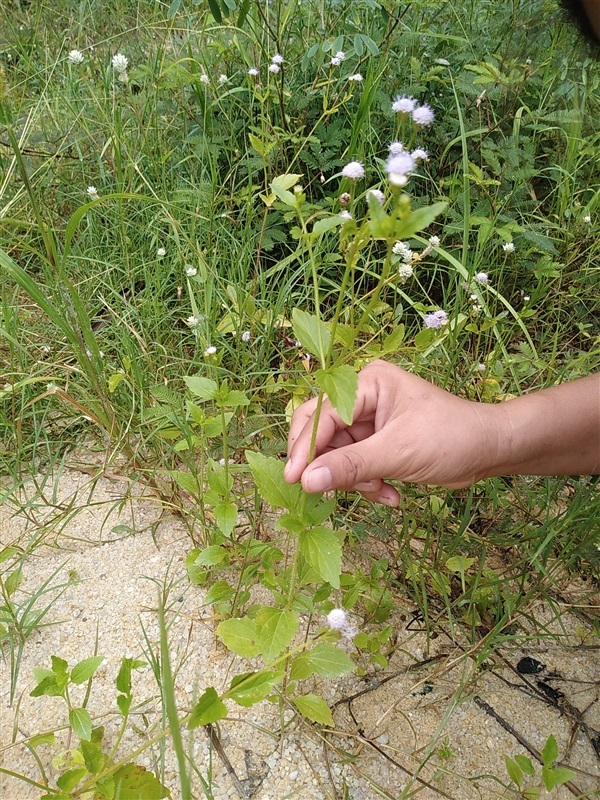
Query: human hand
(404, 428)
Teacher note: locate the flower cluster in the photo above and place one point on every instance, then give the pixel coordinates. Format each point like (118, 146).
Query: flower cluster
(75, 57)
(422, 115)
(399, 167)
(276, 62)
(354, 170)
(437, 319)
(338, 58)
(337, 620)
(120, 64)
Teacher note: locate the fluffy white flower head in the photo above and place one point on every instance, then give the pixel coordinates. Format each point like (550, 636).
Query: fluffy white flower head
(335, 62)
(587, 218)
(437, 319)
(223, 78)
(193, 321)
(481, 367)
(399, 168)
(405, 271)
(246, 336)
(354, 170)
(337, 619)
(396, 148)
(253, 72)
(482, 277)
(161, 252)
(93, 192)
(120, 63)
(403, 250)
(340, 55)
(356, 78)
(423, 115)
(277, 58)
(210, 350)
(204, 78)
(75, 57)
(345, 214)
(509, 247)
(274, 68)
(403, 104)
(190, 271)
(376, 194)
(434, 241)
(419, 154)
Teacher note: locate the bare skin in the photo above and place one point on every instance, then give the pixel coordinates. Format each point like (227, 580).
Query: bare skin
(407, 429)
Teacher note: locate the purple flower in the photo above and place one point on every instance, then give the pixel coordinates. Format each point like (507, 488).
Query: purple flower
(437, 319)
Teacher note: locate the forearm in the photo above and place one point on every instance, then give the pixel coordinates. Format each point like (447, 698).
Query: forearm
(552, 432)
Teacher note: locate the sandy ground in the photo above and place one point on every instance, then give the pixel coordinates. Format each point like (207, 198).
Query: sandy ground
(112, 559)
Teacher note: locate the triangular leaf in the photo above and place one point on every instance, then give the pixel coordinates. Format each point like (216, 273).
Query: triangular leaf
(341, 386)
(203, 388)
(252, 687)
(322, 549)
(239, 636)
(275, 629)
(84, 670)
(312, 333)
(81, 723)
(209, 708)
(268, 476)
(315, 708)
(133, 782)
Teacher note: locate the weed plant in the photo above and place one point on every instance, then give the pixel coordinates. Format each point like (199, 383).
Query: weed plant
(192, 244)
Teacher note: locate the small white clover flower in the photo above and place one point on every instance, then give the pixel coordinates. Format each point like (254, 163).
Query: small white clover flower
(403, 250)
(483, 278)
(76, 57)
(253, 72)
(481, 367)
(419, 154)
(509, 247)
(193, 321)
(246, 336)
(120, 63)
(223, 78)
(405, 271)
(396, 148)
(335, 62)
(204, 79)
(340, 55)
(161, 252)
(345, 214)
(210, 350)
(404, 105)
(356, 78)
(442, 62)
(587, 218)
(474, 297)
(51, 387)
(93, 193)
(277, 59)
(434, 241)
(337, 619)
(354, 170)
(527, 298)
(437, 319)
(190, 271)
(423, 115)
(274, 68)
(376, 194)
(399, 168)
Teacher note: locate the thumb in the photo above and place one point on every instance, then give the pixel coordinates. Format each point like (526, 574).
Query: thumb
(346, 466)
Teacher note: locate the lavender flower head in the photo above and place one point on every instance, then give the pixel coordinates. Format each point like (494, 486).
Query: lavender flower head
(437, 319)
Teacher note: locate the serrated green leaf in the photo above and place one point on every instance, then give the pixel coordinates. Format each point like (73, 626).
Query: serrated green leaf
(341, 386)
(47, 686)
(239, 636)
(42, 738)
(13, 581)
(234, 398)
(550, 751)
(312, 333)
(315, 708)
(124, 703)
(81, 722)
(211, 555)
(268, 476)
(123, 680)
(133, 782)
(93, 756)
(327, 223)
(209, 708)
(106, 787)
(203, 388)
(418, 220)
(329, 661)
(226, 517)
(515, 772)
(459, 564)
(60, 667)
(69, 779)
(252, 687)
(219, 592)
(525, 763)
(556, 776)
(322, 549)
(84, 670)
(275, 629)
(186, 480)
(392, 342)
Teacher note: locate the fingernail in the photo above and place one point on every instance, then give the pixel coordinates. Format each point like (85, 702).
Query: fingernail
(364, 486)
(319, 480)
(288, 466)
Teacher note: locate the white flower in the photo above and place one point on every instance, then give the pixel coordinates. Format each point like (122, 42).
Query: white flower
(335, 62)
(396, 148)
(204, 79)
(587, 218)
(434, 241)
(277, 58)
(419, 154)
(509, 247)
(354, 170)
(423, 115)
(193, 321)
(474, 297)
(93, 193)
(221, 462)
(120, 63)
(442, 62)
(190, 271)
(527, 298)
(340, 55)
(161, 252)
(337, 619)
(437, 319)
(51, 387)
(246, 336)
(403, 250)
(210, 350)
(356, 78)
(345, 214)
(405, 271)
(482, 277)
(481, 367)
(223, 78)
(274, 68)
(75, 57)
(399, 167)
(376, 195)
(403, 104)
(253, 72)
